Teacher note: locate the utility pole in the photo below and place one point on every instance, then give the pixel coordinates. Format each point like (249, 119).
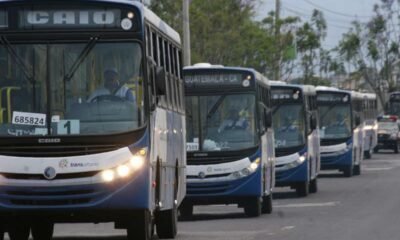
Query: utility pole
(277, 62)
(186, 33)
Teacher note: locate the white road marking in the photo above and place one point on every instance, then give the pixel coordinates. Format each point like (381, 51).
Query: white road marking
(287, 228)
(377, 168)
(300, 205)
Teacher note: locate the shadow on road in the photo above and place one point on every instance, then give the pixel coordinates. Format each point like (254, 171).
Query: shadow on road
(286, 195)
(331, 175)
(90, 238)
(214, 216)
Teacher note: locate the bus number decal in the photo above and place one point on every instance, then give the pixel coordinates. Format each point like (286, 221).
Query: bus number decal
(192, 147)
(68, 127)
(26, 118)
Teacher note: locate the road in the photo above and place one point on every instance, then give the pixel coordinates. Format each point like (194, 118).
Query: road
(365, 207)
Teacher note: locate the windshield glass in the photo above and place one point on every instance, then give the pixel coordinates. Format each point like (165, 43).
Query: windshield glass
(335, 121)
(388, 126)
(289, 127)
(395, 108)
(221, 123)
(77, 89)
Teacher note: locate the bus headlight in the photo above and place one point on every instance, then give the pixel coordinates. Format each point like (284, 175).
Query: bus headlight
(301, 159)
(136, 162)
(248, 170)
(123, 170)
(393, 136)
(108, 175)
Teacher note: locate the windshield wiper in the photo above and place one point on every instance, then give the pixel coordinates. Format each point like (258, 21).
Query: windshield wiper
(215, 107)
(18, 59)
(85, 52)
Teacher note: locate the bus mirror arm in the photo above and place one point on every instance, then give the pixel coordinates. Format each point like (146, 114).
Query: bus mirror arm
(160, 81)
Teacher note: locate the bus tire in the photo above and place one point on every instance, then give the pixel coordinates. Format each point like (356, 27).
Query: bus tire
(314, 185)
(42, 230)
(19, 231)
(302, 189)
(267, 204)
(348, 172)
(253, 207)
(376, 149)
(166, 223)
(357, 170)
(367, 154)
(396, 148)
(185, 211)
(2, 231)
(141, 228)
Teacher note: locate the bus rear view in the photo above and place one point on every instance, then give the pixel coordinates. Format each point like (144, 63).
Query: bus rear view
(229, 139)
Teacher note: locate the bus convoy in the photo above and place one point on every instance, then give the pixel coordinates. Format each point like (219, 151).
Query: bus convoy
(100, 122)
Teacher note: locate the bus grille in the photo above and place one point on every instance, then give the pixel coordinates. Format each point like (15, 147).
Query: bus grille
(41, 196)
(207, 188)
(54, 151)
(211, 160)
(21, 176)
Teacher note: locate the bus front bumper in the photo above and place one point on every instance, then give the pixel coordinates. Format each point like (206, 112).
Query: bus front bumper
(289, 177)
(336, 160)
(88, 202)
(224, 192)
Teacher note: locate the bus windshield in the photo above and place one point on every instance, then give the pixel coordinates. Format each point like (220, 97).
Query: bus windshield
(335, 121)
(289, 126)
(221, 122)
(395, 108)
(70, 88)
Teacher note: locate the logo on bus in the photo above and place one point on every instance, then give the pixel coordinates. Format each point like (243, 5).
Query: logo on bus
(50, 173)
(63, 163)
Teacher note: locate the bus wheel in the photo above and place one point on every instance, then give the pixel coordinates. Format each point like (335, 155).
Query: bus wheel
(19, 231)
(357, 170)
(367, 154)
(267, 204)
(348, 172)
(2, 231)
(314, 185)
(42, 230)
(141, 228)
(376, 149)
(253, 207)
(166, 223)
(396, 148)
(302, 189)
(185, 211)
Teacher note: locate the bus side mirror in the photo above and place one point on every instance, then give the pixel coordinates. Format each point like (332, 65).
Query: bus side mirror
(161, 81)
(313, 122)
(268, 119)
(357, 120)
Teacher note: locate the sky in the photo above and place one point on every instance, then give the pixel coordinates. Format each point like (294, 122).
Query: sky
(338, 13)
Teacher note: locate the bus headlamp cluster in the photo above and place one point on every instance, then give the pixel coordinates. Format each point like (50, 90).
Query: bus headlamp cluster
(298, 162)
(126, 169)
(248, 170)
(393, 136)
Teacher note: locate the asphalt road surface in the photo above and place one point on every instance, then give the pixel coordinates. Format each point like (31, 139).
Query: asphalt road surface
(364, 207)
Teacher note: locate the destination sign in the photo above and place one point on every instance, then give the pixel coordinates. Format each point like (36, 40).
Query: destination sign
(285, 95)
(69, 18)
(215, 79)
(333, 97)
(3, 19)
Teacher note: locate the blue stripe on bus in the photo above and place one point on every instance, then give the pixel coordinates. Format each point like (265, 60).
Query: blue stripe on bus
(339, 160)
(296, 174)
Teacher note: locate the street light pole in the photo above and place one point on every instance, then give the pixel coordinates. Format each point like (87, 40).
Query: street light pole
(186, 33)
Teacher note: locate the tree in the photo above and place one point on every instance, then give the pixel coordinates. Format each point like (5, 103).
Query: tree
(372, 48)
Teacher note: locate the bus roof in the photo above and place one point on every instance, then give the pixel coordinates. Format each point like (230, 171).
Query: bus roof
(307, 89)
(147, 13)
(369, 96)
(204, 66)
